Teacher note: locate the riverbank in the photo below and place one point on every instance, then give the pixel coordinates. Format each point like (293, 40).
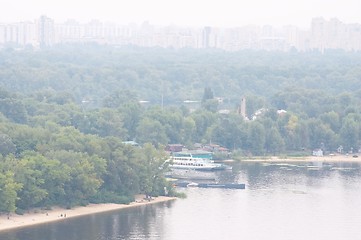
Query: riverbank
(36, 217)
(332, 158)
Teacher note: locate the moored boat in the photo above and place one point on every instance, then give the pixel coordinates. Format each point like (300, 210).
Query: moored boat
(200, 164)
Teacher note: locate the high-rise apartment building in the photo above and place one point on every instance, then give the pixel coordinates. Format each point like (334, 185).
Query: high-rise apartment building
(2, 34)
(318, 33)
(27, 34)
(69, 32)
(209, 38)
(46, 31)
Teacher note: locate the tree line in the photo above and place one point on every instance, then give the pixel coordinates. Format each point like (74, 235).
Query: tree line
(90, 72)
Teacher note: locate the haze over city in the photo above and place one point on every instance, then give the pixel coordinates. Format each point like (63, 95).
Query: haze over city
(226, 13)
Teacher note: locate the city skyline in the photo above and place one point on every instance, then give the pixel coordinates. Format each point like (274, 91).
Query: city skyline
(226, 13)
(322, 34)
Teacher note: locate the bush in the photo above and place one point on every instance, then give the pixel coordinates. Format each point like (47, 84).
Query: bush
(20, 211)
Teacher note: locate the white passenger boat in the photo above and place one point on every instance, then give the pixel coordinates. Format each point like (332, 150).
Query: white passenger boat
(200, 164)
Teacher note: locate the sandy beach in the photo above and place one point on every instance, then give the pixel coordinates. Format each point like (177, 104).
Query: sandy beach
(333, 158)
(59, 214)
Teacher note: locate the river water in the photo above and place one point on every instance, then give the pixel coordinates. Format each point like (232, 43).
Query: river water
(281, 201)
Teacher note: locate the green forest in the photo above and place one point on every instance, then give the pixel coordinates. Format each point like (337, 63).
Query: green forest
(66, 111)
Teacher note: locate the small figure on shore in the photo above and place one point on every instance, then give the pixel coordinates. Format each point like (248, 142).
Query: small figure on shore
(148, 197)
(61, 215)
(65, 215)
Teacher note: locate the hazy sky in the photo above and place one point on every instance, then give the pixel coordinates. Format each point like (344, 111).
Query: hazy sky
(226, 13)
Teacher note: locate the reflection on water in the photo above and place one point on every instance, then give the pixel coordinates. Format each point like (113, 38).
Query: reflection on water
(131, 223)
(281, 201)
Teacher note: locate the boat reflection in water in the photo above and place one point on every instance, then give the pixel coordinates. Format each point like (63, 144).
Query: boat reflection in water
(190, 174)
(211, 185)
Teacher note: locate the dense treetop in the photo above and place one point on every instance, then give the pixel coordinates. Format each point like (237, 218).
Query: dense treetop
(96, 71)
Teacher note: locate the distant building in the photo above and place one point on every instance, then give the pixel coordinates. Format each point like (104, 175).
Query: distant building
(242, 108)
(132, 143)
(46, 31)
(317, 153)
(224, 111)
(174, 147)
(209, 38)
(215, 148)
(340, 149)
(258, 113)
(281, 112)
